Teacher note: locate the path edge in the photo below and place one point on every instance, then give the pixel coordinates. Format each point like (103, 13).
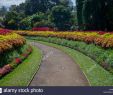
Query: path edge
(37, 68)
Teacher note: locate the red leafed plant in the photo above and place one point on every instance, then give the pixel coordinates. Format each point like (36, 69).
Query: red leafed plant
(18, 60)
(6, 69)
(4, 31)
(42, 29)
(25, 55)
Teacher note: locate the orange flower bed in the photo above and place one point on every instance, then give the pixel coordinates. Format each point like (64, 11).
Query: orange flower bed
(10, 41)
(102, 39)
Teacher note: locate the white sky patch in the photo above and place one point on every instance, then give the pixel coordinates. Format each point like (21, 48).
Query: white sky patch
(8, 3)
(74, 2)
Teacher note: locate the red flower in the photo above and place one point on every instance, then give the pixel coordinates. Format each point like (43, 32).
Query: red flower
(4, 31)
(42, 29)
(8, 67)
(18, 60)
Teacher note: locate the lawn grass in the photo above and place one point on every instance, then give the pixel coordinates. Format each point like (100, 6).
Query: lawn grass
(23, 74)
(96, 75)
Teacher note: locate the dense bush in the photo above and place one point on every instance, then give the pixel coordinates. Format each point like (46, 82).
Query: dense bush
(36, 20)
(61, 17)
(95, 14)
(13, 58)
(12, 20)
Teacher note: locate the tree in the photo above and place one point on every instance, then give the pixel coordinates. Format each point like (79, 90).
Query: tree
(3, 11)
(18, 8)
(92, 15)
(95, 14)
(34, 6)
(12, 19)
(1, 22)
(108, 14)
(79, 5)
(38, 19)
(61, 17)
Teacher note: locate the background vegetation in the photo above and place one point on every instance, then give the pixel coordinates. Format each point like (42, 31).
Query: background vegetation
(39, 13)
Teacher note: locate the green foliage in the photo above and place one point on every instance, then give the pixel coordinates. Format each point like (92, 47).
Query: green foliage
(35, 13)
(9, 56)
(74, 21)
(108, 14)
(36, 20)
(61, 17)
(1, 22)
(25, 23)
(43, 23)
(95, 14)
(79, 5)
(12, 19)
(34, 6)
(3, 11)
(18, 8)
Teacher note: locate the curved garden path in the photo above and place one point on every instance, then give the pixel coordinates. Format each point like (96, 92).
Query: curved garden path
(57, 69)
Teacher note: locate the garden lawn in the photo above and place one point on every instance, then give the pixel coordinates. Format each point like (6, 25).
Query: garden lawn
(23, 74)
(96, 75)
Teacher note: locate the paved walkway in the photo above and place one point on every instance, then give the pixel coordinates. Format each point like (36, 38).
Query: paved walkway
(57, 69)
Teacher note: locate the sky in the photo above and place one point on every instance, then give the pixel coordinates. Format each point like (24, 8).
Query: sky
(17, 2)
(10, 2)
(73, 2)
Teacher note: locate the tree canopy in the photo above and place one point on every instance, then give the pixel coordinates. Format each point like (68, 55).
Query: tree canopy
(37, 13)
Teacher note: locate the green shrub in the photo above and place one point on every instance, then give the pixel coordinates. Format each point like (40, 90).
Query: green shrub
(7, 57)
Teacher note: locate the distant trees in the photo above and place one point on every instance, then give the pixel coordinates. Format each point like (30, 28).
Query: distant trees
(38, 13)
(12, 19)
(36, 20)
(3, 11)
(61, 17)
(34, 6)
(79, 5)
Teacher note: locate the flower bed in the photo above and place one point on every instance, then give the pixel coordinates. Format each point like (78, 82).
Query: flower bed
(10, 40)
(4, 31)
(104, 40)
(13, 50)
